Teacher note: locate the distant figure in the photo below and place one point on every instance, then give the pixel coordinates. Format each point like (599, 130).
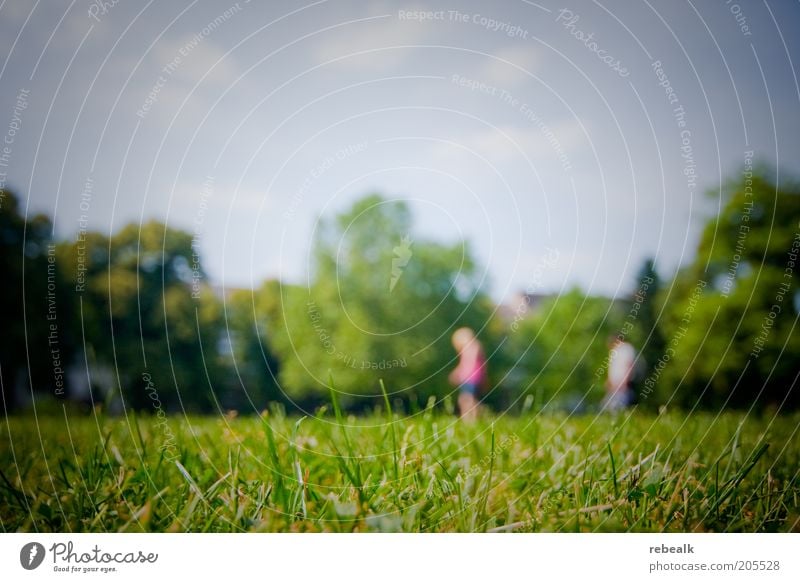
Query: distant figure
(470, 374)
(621, 361)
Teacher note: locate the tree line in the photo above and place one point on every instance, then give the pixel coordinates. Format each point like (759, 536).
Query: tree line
(129, 320)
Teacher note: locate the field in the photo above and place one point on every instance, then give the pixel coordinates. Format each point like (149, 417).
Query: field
(427, 472)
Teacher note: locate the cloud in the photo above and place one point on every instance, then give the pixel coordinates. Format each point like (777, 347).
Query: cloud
(378, 32)
(194, 57)
(509, 142)
(170, 83)
(501, 70)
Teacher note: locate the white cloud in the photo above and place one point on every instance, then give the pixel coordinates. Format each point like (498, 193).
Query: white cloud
(510, 142)
(501, 71)
(196, 59)
(376, 33)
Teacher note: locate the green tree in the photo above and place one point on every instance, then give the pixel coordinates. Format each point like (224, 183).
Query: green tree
(558, 352)
(731, 325)
(35, 345)
(648, 338)
(145, 314)
(253, 381)
(382, 304)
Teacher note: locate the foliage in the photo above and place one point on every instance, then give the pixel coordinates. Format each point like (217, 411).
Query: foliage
(253, 380)
(35, 345)
(732, 314)
(381, 304)
(647, 323)
(558, 352)
(142, 316)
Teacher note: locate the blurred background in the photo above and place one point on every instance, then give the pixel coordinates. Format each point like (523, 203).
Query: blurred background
(221, 207)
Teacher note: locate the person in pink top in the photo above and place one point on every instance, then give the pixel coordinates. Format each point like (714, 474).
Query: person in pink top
(470, 374)
(621, 366)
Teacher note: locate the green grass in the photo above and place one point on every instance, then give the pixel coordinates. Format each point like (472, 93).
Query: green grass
(637, 472)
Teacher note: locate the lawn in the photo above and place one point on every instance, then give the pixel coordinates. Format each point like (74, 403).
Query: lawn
(423, 473)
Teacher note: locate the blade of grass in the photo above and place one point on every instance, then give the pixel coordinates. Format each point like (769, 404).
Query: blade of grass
(484, 521)
(613, 470)
(298, 470)
(192, 483)
(352, 458)
(390, 420)
(736, 480)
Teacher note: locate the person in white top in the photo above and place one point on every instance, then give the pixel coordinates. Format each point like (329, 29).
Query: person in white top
(621, 361)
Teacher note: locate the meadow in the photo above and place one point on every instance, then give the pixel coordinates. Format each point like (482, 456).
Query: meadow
(383, 472)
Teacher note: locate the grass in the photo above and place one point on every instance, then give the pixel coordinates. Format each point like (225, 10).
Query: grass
(633, 472)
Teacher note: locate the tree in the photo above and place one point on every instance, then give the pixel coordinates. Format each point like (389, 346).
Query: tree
(382, 304)
(650, 344)
(731, 327)
(143, 316)
(253, 378)
(558, 352)
(35, 345)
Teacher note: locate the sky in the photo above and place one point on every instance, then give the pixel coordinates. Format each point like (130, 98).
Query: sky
(564, 143)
